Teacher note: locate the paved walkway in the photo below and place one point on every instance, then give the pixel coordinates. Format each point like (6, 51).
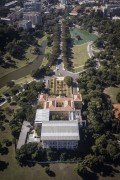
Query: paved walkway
(89, 49)
(78, 66)
(91, 54)
(51, 162)
(3, 102)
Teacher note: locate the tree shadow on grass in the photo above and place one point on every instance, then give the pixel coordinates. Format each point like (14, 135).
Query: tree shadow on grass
(2, 128)
(4, 151)
(108, 170)
(51, 173)
(44, 164)
(89, 176)
(9, 65)
(3, 165)
(31, 164)
(28, 164)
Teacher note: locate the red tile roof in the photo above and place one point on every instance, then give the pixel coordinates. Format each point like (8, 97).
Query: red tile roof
(76, 9)
(117, 110)
(59, 103)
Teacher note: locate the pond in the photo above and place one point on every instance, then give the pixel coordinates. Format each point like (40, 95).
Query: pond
(24, 70)
(85, 36)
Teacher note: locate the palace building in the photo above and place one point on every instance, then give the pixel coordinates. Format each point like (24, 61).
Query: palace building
(59, 121)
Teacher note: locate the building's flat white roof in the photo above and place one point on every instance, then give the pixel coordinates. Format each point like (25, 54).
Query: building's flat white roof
(5, 19)
(42, 115)
(60, 130)
(32, 138)
(10, 3)
(23, 134)
(60, 78)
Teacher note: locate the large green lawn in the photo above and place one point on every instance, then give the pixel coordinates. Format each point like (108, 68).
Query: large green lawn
(85, 36)
(47, 51)
(37, 172)
(78, 69)
(29, 57)
(22, 80)
(112, 92)
(79, 50)
(80, 55)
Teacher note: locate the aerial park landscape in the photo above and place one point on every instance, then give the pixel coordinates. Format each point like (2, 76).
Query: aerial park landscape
(59, 92)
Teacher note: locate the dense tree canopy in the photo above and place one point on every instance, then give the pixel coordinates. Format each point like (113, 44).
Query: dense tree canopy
(66, 45)
(68, 80)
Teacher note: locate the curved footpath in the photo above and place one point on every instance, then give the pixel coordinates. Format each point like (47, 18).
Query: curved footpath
(24, 71)
(89, 49)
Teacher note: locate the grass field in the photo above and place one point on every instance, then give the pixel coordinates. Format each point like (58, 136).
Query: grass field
(78, 69)
(112, 92)
(40, 40)
(29, 57)
(61, 172)
(85, 36)
(3, 90)
(27, 78)
(47, 50)
(23, 80)
(80, 55)
(19, 63)
(37, 172)
(44, 62)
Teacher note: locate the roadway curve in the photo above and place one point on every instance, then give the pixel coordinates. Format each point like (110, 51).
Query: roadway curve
(89, 49)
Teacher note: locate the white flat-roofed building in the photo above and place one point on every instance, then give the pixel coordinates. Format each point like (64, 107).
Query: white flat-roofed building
(11, 4)
(42, 115)
(57, 124)
(33, 137)
(6, 20)
(24, 134)
(60, 134)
